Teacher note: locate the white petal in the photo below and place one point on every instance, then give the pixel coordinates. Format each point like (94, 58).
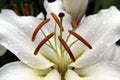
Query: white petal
(116, 56)
(19, 71)
(100, 71)
(53, 75)
(100, 36)
(15, 35)
(70, 75)
(56, 7)
(94, 26)
(40, 16)
(112, 54)
(2, 50)
(76, 8)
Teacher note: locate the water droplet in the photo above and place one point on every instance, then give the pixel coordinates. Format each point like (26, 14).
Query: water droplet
(30, 26)
(109, 44)
(22, 33)
(9, 42)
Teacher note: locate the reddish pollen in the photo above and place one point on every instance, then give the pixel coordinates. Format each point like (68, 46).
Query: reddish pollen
(38, 28)
(57, 20)
(80, 38)
(66, 48)
(43, 42)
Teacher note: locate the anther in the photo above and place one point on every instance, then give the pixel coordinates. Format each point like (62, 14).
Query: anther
(43, 42)
(80, 38)
(74, 23)
(66, 48)
(38, 28)
(31, 10)
(57, 21)
(15, 8)
(26, 9)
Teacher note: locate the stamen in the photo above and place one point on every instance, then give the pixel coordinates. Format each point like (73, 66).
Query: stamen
(80, 38)
(38, 28)
(57, 21)
(74, 23)
(15, 8)
(26, 9)
(31, 10)
(66, 48)
(43, 42)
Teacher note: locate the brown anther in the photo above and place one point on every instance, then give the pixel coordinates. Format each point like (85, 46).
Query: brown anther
(15, 8)
(80, 38)
(57, 20)
(43, 42)
(31, 10)
(26, 9)
(66, 48)
(74, 23)
(39, 27)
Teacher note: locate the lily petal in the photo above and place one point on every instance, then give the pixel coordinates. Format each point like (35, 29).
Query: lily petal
(53, 75)
(18, 71)
(99, 35)
(40, 16)
(2, 50)
(116, 56)
(100, 71)
(76, 8)
(70, 75)
(15, 35)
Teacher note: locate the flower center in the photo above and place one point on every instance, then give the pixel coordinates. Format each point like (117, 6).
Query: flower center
(63, 46)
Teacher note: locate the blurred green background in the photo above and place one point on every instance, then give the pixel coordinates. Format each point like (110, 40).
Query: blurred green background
(33, 7)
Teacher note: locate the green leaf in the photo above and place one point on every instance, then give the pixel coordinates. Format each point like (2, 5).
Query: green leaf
(108, 3)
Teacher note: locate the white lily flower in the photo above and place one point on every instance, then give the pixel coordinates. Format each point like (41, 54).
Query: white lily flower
(61, 55)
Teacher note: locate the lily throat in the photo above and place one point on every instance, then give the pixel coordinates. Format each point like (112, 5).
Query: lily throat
(61, 49)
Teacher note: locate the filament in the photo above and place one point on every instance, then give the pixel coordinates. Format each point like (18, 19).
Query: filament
(66, 48)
